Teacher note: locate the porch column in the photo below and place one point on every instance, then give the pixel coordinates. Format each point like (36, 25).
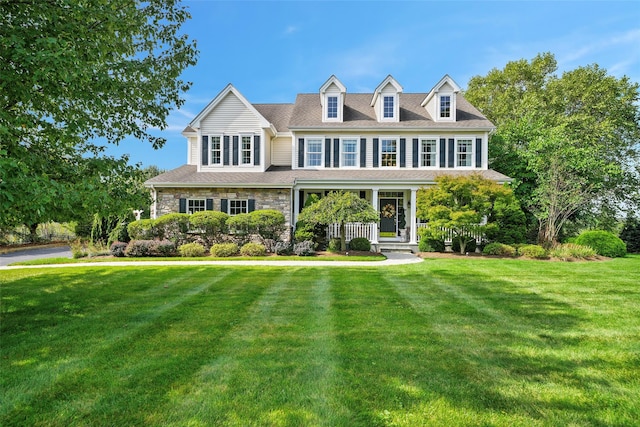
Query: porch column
(296, 205)
(374, 201)
(413, 238)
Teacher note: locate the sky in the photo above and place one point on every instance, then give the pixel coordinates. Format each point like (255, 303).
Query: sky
(273, 50)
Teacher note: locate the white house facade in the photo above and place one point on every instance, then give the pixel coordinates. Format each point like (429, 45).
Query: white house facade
(383, 145)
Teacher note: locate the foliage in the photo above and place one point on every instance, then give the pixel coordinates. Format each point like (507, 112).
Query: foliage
(569, 251)
(630, 234)
(283, 248)
(240, 227)
(143, 229)
(459, 204)
(268, 224)
(306, 248)
(570, 141)
(189, 250)
(253, 249)
(317, 233)
(173, 227)
(118, 249)
(360, 244)
(144, 248)
(211, 226)
(471, 244)
(532, 251)
(603, 243)
(431, 245)
(73, 73)
(499, 249)
(507, 222)
(224, 250)
(119, 233)
(339, 207)
(334, 245)
(81, 248)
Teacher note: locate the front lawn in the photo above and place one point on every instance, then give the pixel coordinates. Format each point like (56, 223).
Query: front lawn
(445, 342)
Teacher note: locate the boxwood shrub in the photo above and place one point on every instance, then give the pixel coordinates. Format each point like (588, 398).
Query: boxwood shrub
(499, 249)
(360, 244)
(603, 242)
(253, 249)
(224, 249)
(431, 245)
(191, 250)
(532, 251)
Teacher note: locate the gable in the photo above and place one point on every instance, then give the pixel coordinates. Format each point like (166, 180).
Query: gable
(230, 115)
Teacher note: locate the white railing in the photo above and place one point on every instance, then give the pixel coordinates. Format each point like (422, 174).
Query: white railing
(352, 230)
(448, 233)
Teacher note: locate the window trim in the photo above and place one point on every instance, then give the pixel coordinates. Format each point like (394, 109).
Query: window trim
(241, 150)
(436, 140)
(189, 202)
(306, 152)
(452, 107)
(397, 151)
(232, 201)
(384, 107)
(356, 163)
(328, 106)
(220, 150)
(470, 154)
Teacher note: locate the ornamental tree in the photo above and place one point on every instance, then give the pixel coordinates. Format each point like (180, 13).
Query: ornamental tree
(339, 207)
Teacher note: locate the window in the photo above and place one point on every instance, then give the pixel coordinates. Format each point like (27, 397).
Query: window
(389, 153)
(246, 150)
(332, 107)
(464, 153)
(216, 150)
(314, 152)
(428, 154)
(445, 106)
(387, 107)
(238, 207)
(349, 155)
(195, 205)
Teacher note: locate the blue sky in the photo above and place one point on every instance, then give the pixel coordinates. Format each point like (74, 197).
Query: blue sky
(272, 50)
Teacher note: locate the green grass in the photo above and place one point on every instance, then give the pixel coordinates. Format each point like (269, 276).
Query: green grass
(445, 342)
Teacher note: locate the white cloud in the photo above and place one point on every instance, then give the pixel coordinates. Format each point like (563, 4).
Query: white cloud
(290, 30)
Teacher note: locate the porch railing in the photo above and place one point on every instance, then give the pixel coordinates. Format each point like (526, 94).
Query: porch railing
(448, 233)
(353, 230)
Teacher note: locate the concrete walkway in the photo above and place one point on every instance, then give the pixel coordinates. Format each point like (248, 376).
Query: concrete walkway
(393, 258)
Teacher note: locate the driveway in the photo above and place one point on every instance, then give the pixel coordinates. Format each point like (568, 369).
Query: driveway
(36, 253)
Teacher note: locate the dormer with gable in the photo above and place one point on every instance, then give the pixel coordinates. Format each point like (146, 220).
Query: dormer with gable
(440, 103)
(386, 100)
(332, 94)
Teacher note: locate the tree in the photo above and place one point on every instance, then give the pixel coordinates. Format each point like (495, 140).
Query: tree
(339, 207)
(72, 73)
(460, 204)
(630, 233)
(570, 142)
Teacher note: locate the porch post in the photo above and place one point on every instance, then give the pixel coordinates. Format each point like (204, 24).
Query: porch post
(413, 239)
(296, 205)
(374, 201)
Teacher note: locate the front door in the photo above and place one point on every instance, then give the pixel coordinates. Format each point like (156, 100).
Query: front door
(388, 218)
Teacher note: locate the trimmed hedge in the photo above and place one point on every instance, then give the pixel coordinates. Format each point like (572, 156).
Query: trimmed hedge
(603, 243)
(117, 249)
(224, 250)
(360, 244)
(191, 250)
(532, 251)
(253, 249)
(143, 248)
(499, 249)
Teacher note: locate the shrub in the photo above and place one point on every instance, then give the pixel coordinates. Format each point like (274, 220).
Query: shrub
(334, 245)
(305, 248)
(532, 251)
(571, 250)
(142, 230)
(431, 245)
(240, 227)
(211, 226)
(117, 249)
(78, 249)
(163, 248)
(173, 227)
(470, 247)
(603, 243)
(360, 244)
(253, 249)
(224, 249)
(507, 222)
(283, 248)
(630, 234)
(499, 249)
(268, 224)
(191, 250)
(139, 248)
(119, 234)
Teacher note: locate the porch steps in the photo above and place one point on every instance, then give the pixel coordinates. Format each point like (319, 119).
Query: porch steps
(396, 247)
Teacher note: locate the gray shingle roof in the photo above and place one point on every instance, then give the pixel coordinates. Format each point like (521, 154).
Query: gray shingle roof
(284, 177)
(276, 114)
(358, 114)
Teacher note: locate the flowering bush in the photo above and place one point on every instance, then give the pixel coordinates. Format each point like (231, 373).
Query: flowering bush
(117, 249)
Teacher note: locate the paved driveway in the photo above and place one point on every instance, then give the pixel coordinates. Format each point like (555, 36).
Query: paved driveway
(36, 253)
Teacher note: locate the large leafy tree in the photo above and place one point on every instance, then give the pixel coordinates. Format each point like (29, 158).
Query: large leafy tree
(570, 141)
(339, 207)
(73, 72)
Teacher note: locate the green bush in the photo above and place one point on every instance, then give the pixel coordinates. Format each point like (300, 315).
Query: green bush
(240, 228)
(173, 227)
(211, 226)
(630, 234)
(603, 243)
(143, 229)
(572, 251)
(471, 245)
(119, 233)
(117, 249)
(431, 245)
(163, 248)
(224, 249)
(306, 248)
(144, 248)
(499, 249)
(283, 248)
(253, 249)
(191, 250)
(268, 224)
(532, 251)
(334, 245)
(360, 244)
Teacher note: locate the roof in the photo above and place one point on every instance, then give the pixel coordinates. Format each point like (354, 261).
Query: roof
(285, 177)
(359, 114)
(277, 114)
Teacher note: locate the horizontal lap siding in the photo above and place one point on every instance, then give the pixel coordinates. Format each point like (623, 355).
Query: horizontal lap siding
(281, 152)
(230, 116)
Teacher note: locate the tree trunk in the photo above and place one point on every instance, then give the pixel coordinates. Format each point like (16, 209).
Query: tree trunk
(33, 233)
(343, 237)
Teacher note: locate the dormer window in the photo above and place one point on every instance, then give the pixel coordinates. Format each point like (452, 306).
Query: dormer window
(332, 94)
(386, 100)
(445, 106)
(332, 107)
(388, 109)
(440, 102)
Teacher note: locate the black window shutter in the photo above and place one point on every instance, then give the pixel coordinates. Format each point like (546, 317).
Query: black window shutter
(376, 154)
(478, 152)
(209, 204)
(300, 152)
(452, 153)
(235, 150)
(414, 158)
(256, 150)
(251, 205)
(403, 153)
(182, 206)
(205, 150)
(336, 153)
(225, 152)
(363, 152)
(363, 194)
(327, 152)
(443, 153)
(224, 205)
(301, 200)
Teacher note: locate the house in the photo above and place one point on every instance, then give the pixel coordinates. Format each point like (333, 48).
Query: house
(383, 145)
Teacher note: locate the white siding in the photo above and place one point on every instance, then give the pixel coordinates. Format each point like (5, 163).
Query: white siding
(230, 116)
(194, 151)
(281, 151)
